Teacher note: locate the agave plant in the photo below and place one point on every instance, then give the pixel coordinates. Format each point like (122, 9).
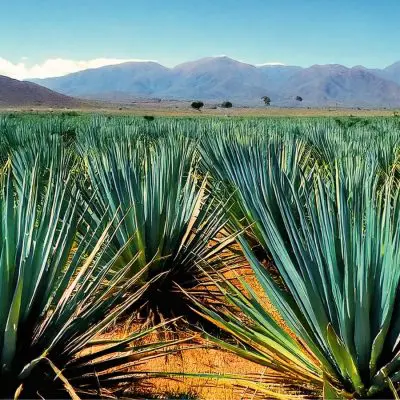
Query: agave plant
(337, 252)
(292, 371)
(27, 144)
(56, 297)
(242, 162)
(163, 210)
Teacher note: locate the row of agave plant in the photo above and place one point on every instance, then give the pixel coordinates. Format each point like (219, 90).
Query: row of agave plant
(89, 236)
(135, 217)
(58, 293)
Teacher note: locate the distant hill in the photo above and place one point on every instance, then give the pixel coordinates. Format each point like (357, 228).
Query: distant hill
(14, 93)
(222, 78)
(392, 72)
(216, 79)
(134, 78)
(335, 84)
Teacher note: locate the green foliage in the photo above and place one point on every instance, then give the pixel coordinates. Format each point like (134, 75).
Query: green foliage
(197, 105)
(226, 104)
(263, 341)
(266, 100)
(70, 114)
(157, 200)
(56, 292)
(330, 225)
(100, 215)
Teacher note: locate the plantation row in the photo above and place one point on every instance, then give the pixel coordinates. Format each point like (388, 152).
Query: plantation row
(107, 218)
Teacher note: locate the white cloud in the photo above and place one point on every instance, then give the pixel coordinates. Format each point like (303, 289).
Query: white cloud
(274, 63)
(270, 63)
(54, 67)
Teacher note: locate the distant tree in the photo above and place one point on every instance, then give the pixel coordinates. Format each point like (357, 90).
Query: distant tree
(197, 105)
(226, 104)
(299, 98)
(266, 100)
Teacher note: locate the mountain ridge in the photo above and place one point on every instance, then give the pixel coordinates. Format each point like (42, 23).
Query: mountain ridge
(15, 93)
(222, 78)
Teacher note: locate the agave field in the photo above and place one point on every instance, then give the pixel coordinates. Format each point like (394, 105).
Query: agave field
(109, 219)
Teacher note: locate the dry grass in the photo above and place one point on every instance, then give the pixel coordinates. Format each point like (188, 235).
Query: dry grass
(205, 359)
(183, 109)
(202, 359)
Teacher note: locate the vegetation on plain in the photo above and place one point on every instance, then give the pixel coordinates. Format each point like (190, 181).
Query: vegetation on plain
(111, 219)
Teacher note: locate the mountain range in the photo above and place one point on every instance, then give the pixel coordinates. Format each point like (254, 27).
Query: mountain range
(14, 93)
(216, 79)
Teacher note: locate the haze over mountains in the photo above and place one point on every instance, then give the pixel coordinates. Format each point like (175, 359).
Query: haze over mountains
(222, 78)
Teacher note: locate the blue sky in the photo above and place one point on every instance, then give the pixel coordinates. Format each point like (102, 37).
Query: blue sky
(172, 31)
